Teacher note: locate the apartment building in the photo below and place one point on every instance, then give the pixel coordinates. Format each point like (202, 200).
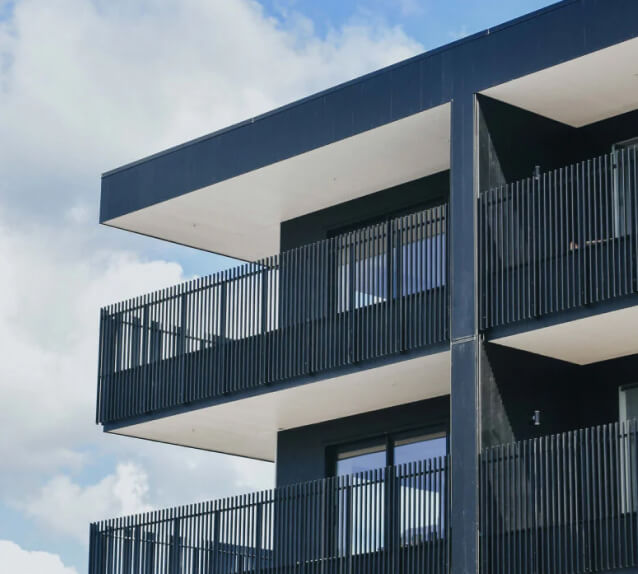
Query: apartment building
(432, 330)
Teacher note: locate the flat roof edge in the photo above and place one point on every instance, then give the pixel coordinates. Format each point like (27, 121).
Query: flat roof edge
(423, 56)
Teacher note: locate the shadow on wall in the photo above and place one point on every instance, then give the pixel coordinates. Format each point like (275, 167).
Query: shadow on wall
(516, 383)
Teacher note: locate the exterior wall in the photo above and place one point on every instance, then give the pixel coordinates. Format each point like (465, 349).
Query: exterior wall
(303, 453)
(515, 383)
(512, 141)
(392, 202)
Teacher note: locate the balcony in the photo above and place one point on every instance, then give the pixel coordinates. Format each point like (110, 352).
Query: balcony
(392, 519)
(366, 297)
(561, 503)
(558, 254)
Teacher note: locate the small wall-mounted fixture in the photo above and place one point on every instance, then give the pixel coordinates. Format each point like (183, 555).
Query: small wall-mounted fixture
(537, 172)
(536, 419)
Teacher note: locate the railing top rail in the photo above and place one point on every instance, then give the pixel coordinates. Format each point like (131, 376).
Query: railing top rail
(409, 470)
(433, 216)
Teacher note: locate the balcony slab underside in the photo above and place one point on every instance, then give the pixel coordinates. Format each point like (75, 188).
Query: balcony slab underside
(581, 91)
(582, 336)
(216, 218)
(248, 426)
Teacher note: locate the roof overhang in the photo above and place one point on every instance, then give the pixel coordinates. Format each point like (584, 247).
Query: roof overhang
(580, 91)
(241, 216)
(249, 426)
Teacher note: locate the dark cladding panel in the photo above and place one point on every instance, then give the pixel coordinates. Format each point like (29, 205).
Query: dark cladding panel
(406, 94)
(372, 208)
(302, 452)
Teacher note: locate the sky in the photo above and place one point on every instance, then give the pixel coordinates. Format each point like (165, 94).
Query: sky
(85, 86)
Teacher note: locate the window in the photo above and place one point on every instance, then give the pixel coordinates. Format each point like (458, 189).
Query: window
(628, 411)
(393, 449)
(393, 259)
(625, 154)
(361, 459)
(628, 403)
(419, 447)
(417, 491)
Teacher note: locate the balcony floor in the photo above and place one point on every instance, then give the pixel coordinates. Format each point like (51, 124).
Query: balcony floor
(247, 425)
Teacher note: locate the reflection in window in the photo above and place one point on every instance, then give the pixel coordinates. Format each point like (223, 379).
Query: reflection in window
(419, 448)
(422, 486)
(361, 459)
(358, 531)
(415, 491)
(412, 261)
(624, 184)
(628, 411)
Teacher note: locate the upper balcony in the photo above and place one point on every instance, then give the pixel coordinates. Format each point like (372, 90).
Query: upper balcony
(561, 249)
(224, 362)
(558, 208)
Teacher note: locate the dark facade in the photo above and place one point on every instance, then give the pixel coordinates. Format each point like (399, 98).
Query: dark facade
(441, 357)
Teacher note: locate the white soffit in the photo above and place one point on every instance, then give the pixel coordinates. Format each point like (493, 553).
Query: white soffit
(240, 217)
(583, 341)
(248, 427)
(578, 92)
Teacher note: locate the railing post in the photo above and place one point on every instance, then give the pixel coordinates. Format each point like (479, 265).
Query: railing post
(389, 286)
(182, 347)
(400, 326)
(351, 298)
(95, 550)
(215, 562)
(145, 335)
(137, 549)
(221, 346)
(149, 553)
(264, 324)
(126, 551)
(174, 549)
(109, 551)
(258, 536)
(397, 294)
(348, 523)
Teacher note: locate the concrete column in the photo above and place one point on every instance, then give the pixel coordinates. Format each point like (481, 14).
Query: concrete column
(464, 405)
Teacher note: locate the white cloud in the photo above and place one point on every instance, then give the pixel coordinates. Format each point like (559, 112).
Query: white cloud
(91, 84)
(84, 86)
(68, 507)
(14, 559)
(49, 302)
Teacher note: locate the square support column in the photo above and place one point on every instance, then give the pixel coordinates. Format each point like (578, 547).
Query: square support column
(464, 405)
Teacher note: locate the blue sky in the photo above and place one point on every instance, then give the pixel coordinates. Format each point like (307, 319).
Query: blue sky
(431, 22)
(87, 85)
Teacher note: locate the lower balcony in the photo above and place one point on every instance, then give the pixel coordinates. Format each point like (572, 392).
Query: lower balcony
(283, 342)
(393, 519)
(565, 503)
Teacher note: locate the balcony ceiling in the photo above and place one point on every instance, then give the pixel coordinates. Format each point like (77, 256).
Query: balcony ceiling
(240, 217)
(581, 91)
(582, 341)
(248, 427)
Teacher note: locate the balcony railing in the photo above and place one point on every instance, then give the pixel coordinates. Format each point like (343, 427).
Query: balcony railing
(561, 240)
(366, 294)
(387, 520)
(561, 504)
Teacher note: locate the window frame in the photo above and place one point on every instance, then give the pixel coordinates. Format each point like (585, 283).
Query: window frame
(389, 439)
(621, 228)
